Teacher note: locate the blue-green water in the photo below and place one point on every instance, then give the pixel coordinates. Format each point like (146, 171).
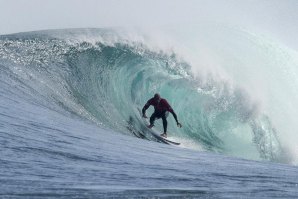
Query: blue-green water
(70, 125)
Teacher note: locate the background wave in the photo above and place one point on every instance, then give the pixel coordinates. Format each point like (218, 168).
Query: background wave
(105, 76)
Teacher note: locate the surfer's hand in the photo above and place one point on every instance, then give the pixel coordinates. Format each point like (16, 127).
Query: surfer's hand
(179, 125)
(144, 116)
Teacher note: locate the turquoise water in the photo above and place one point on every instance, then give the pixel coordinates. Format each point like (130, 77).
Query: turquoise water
(70, 125)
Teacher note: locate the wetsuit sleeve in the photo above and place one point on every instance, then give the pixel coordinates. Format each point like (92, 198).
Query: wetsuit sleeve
(146, 106)
(174, 115)
(169, 108)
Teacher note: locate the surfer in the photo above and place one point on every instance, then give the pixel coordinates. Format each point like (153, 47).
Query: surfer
(161, 109)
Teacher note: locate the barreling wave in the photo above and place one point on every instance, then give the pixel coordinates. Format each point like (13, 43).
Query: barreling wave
(106, 78)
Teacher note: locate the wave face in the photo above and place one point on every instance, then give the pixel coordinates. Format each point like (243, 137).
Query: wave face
(103, 77)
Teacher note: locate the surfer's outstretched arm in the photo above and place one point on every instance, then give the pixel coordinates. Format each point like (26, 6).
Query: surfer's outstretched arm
(175, 117)
(144, 109)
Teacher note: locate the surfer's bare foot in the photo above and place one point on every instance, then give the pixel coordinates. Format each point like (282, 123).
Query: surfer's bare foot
(150, 126)
(163, 135)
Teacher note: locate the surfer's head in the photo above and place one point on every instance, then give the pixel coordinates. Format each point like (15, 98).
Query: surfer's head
(157, 96)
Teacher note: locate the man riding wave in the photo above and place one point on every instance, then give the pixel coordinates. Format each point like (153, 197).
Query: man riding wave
(161, 109)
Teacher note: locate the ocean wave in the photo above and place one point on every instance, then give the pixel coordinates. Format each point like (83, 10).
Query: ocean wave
(106, 80)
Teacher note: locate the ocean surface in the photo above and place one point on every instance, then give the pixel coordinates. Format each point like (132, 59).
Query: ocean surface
(70, 126)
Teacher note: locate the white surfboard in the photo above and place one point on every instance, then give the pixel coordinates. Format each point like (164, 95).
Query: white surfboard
(155, 133)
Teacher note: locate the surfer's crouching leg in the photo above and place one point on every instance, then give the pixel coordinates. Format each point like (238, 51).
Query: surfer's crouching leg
(152, 119)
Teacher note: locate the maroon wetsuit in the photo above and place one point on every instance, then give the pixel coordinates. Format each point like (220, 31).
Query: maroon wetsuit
(161, 106)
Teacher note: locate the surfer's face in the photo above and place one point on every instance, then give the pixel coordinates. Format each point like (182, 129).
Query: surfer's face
(157, 97)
